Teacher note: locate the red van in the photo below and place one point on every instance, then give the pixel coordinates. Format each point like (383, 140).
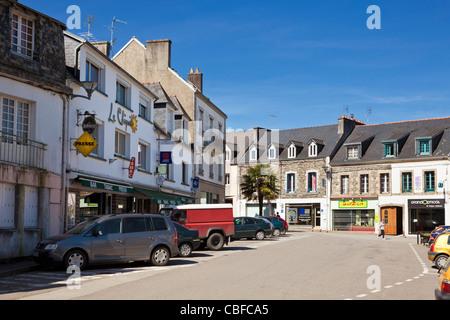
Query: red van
(214, 222)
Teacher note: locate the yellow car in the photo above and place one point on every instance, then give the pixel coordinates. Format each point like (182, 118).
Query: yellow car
(440, 250)
(443, 290)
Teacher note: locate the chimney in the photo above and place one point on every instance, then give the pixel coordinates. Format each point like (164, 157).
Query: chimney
(346, 124)
(196, 79)
(159, 52)
(103, 46)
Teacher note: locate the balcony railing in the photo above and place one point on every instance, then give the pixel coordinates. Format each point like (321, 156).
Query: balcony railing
(24, 152)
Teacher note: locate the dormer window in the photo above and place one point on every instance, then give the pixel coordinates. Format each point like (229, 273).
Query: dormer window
(389, 149)
(291, 151)
(272, 151)
(253, 154)
(352, 152)
(312, 150)
(22, 35)
(423, 146)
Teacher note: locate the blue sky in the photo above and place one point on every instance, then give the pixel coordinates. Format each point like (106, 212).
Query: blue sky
(289, 64)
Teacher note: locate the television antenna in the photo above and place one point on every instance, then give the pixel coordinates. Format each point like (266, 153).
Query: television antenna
(88, 35)
(369, 112)
(271, 122)
(111, 31)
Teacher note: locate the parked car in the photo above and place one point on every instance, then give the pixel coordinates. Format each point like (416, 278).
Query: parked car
(440, 250)
(214, 222)
(188, 240)
(249, 227)
(112, 239)
(285, 224)
(278, 227)
(437, 231)
(442, 292)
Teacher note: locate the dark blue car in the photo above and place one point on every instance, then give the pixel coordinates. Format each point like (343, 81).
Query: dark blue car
(188, 240)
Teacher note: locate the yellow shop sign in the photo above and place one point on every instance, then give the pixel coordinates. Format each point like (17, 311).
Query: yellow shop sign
(85, 144)
(353, 204)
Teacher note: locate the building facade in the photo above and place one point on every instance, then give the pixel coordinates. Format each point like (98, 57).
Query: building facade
(34, 98)
(151, 62)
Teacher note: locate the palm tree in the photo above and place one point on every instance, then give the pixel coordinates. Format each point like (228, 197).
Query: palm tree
(260, 183)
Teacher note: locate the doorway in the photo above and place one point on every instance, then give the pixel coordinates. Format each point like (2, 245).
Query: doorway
(393, 219)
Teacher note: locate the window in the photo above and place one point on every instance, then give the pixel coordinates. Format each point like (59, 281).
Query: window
(143, 156)
(120, 146)
(407, 182)
(15, 117)
(345, 184)
(312, 150)
(352, 152)
(159, 224)
(121, 94)
(131, 225)
(389, 150)
(110, 227)
(184, 173)
(272, 152)
(291, 151)
(98, 136)
(290, 182)
(312, 182)
(227, 178)
(92, 72)
(144, 109)
(253, 154)
(423, 146)
(429, 181)
(364, 183)
(22, 36)
(384, 183)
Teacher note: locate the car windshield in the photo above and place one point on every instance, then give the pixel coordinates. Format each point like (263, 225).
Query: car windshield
(83, 226)
(166, 211)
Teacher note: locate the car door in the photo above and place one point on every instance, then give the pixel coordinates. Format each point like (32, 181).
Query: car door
(107, 241)
(249, 227)
(137, 238)
(238, 228)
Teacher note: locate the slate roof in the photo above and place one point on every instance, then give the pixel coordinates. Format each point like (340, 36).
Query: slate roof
(404, 134)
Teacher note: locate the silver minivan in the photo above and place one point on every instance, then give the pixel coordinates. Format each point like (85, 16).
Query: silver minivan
(111, 239)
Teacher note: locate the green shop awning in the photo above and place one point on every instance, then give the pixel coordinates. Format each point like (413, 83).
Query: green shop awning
(164, 198)
(105, 186)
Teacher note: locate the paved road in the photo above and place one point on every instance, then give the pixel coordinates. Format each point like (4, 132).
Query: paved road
(298, 266)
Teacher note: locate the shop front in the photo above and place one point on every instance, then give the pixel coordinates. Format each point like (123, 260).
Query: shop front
(354, 214)
(303, 213)
(425, 214)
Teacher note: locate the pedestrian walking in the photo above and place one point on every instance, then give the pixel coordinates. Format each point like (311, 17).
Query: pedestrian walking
(382, 225)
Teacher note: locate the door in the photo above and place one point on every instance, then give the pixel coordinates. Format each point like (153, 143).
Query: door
(108, 245)
(389, 216)
(137, 237)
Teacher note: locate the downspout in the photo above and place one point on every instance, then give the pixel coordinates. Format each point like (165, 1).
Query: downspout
(63, 195)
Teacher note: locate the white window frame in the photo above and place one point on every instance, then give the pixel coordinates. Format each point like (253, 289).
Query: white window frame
(312, 150)
(345, 184)
(352, 152)
(117, 148)
(20, 128)
(290, 183)
(272, 152)
(98, 136)
(144, 161)
(253, 154)
(384, 182)
(291, 151)
(19, 48)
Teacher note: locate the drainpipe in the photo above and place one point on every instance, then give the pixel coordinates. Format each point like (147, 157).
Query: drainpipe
(63, 195)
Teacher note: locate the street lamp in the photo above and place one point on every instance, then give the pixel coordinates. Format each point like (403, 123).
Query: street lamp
(89, 86)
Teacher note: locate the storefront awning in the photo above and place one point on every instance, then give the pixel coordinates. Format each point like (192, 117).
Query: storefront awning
(164, 198)
(105, 186)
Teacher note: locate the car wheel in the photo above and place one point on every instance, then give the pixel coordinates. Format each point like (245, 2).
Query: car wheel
(276, 232)
(75, 258)
(440, 261)
(160, 256)
(185, 249)
(260, 235)
(215, 242)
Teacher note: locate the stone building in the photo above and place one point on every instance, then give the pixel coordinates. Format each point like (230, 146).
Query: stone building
(301, 160)
(34, 99)
(396, 172)
(151, 62)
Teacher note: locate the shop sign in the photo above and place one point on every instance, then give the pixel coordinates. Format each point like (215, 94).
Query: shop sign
(131, 122)
(165, 157)
(426, 203)
(85, 144)
(106, 186)
(89, 125)
(353, 204)
(131, 167)
(195, 183)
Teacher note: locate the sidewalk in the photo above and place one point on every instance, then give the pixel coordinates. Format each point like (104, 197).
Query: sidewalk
(14, 267)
